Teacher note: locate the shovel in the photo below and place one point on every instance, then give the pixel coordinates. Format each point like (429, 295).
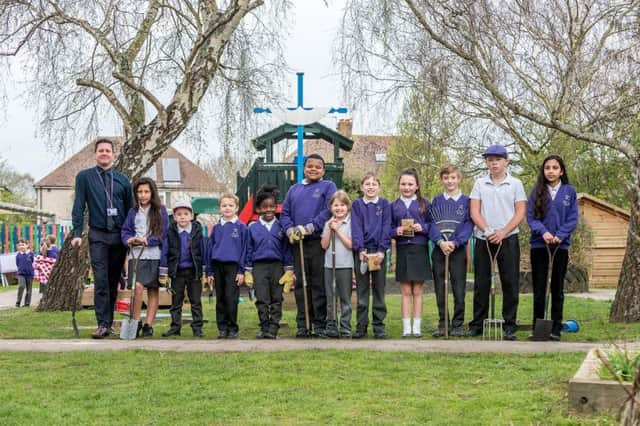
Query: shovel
(129, 327)
(543, 327)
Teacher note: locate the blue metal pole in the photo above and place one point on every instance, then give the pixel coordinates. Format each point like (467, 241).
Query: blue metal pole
(300, 163)
(300, 77)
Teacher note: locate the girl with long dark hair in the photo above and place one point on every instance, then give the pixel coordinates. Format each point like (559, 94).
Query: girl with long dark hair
(552, 214)
(145, 226)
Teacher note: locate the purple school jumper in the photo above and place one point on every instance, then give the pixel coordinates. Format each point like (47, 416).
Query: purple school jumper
(24, 262)
(227, 243)
(399, 212)
(265, 245)
(308, 203)
(459, 212)
(560, 219)
(370, 223)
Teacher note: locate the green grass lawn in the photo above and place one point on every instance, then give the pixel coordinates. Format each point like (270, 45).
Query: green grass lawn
(592, 316)
(308, 387)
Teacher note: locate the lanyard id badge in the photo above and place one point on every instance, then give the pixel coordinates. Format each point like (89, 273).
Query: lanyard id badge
(111, 211)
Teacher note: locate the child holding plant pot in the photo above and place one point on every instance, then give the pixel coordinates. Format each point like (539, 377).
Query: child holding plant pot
(410, 229)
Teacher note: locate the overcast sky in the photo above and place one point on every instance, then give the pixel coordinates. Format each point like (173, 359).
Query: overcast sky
(308, 50)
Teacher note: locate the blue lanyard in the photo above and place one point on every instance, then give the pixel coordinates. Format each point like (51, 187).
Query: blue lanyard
(109, 196)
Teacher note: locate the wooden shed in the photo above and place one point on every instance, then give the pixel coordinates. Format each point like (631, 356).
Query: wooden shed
(609, 225)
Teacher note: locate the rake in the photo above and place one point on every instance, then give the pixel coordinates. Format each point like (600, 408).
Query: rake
(492, 326)
(444, 218)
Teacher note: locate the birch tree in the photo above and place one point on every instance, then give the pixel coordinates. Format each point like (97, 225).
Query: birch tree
(535, 70)
(150, 63)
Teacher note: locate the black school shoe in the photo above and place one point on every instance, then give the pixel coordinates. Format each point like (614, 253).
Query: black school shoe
(266, 335)
(172, 332)
(198, 333)
(360, 334)
(222, 334)
(232, 335)
(438, 333)
(147, 331)
(302, 333)
(474, 332)
(457, 332)
(510, 335)
(554, 337)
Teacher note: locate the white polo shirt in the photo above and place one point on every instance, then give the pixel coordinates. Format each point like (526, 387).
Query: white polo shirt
(497, 201)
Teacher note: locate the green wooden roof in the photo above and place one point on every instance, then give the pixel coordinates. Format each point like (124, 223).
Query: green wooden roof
(205, 205)
(311, 131)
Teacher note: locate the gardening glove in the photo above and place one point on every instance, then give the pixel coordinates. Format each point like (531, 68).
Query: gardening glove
(212, 282)
(204, 281)
(287, 280)
(163, 280)
(293, 237)
(248, 278)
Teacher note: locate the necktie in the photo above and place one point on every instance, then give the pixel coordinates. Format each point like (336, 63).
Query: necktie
(107, 188)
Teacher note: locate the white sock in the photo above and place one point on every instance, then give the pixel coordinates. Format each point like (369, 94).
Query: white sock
(416, 326)
(406, 326)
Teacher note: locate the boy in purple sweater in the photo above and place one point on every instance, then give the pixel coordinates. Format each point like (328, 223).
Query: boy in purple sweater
(370, 223)
(451, 231)
(268, 263)
(304, 213)
(226, 252)
(24, 262)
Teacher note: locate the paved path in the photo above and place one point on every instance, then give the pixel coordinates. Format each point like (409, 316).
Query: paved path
(8, 297)
(596, 294)
(408, 345)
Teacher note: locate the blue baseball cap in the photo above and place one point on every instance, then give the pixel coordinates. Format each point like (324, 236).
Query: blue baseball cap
(495, 151)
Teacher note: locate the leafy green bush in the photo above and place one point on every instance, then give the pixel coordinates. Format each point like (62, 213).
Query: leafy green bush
(623, 364)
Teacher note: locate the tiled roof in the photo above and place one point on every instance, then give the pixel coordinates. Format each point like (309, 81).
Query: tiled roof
(192, 177)
(361, 158)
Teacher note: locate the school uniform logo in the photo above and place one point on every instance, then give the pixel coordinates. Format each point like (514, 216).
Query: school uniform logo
(378, 211)
(566, 201)
(316, 193)
(461, 211)
(235, 233)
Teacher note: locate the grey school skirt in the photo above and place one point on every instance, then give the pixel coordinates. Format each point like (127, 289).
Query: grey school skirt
(147, 273)
(412, 263)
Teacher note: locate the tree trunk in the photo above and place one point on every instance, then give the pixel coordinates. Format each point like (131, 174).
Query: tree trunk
(626, 305)
(68, 276)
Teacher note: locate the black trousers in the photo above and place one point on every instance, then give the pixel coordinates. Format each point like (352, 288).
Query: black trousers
(186, 279)
(539, 270)
(457, 283)
(314, 270)
(268, 294)
(227, 295)
(107, 260)
(367, 283)
(509, 270)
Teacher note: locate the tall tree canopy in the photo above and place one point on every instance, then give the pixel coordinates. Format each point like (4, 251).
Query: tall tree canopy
(151, 62)
(538, 71)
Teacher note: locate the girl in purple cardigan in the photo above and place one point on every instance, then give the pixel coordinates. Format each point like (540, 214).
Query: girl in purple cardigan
(146, 225)
(552, 214)
(410, 229)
